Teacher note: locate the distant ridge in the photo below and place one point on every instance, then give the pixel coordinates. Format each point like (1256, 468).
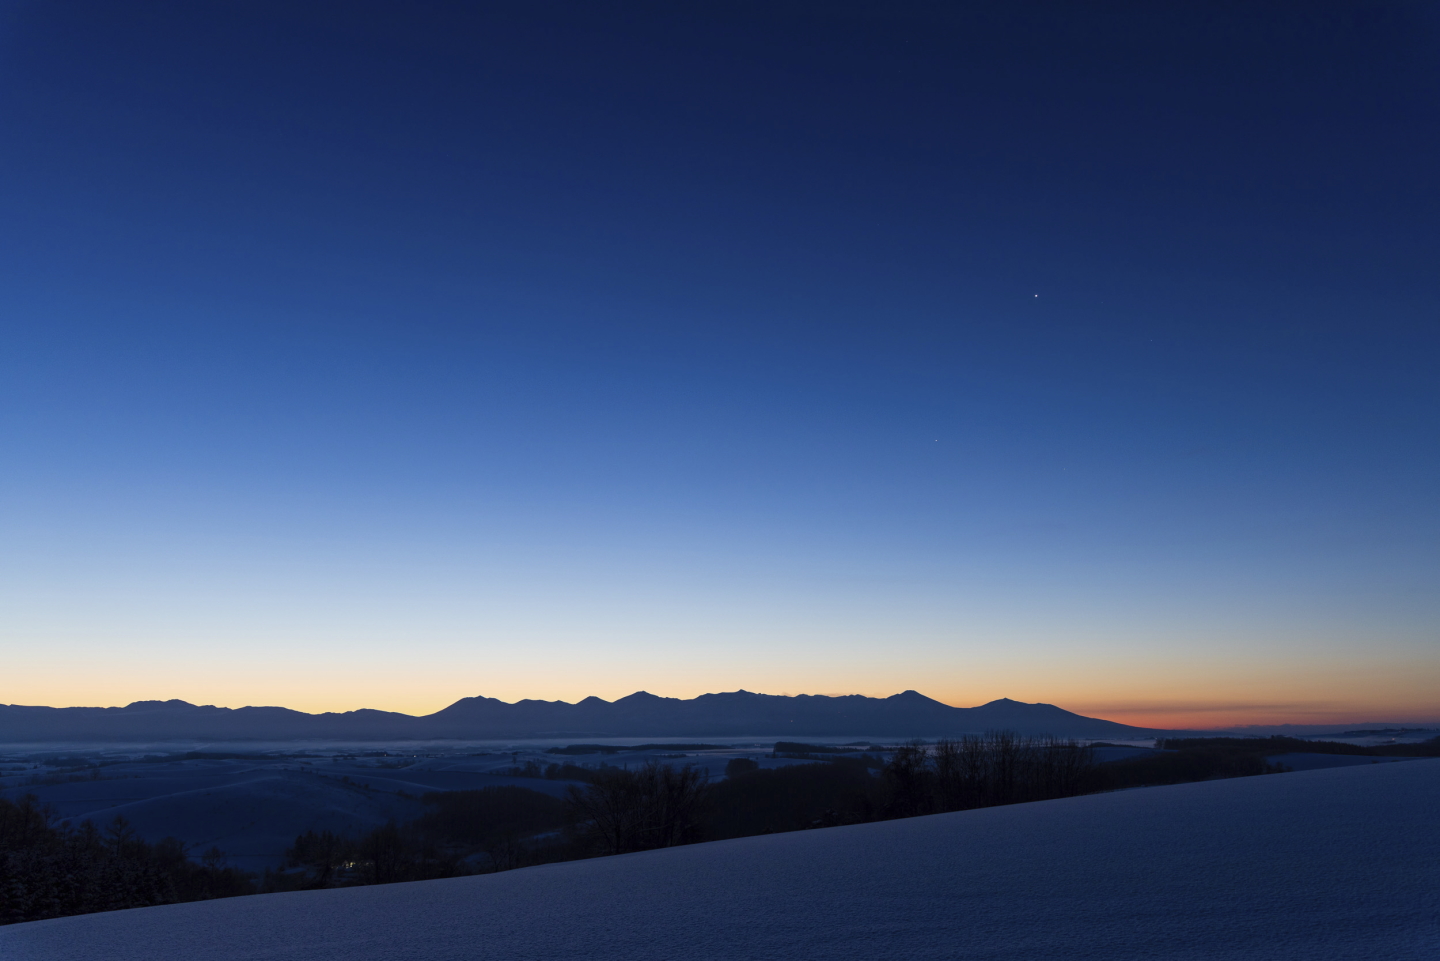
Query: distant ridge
(733, 714)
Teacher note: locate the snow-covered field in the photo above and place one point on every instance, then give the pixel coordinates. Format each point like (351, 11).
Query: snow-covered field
(1342, 863)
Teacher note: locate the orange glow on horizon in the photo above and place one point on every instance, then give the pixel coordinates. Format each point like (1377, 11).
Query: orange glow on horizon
(1144, 689)
(1180, 714)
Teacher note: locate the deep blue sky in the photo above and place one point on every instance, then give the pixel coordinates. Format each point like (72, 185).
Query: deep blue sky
(377, 355)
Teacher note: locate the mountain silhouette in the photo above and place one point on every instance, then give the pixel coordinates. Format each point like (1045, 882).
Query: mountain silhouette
(732, 714)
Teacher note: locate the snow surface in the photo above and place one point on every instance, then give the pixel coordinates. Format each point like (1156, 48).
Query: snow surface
(1334, 864)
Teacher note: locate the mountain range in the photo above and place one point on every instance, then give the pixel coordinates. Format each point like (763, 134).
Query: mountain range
(733, 714)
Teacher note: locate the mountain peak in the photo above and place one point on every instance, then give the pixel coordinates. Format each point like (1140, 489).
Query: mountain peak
(912, 697)
(640, 697)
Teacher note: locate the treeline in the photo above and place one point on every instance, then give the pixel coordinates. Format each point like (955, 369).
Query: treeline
(800, 749)
(1430, 748)
(951, 775)
(984, 771)
(656, 805)
(48, 870)
(1182, 765)
(622, 749)
(566, 771)
(1278, 744)
(1184, 759)
(387, 854)
(462, 832)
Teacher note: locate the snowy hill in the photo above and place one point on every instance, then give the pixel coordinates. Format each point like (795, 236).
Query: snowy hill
(1337, 864)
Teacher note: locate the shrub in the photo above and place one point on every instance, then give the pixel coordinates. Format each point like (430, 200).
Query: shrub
(740, 765)
(792, 798)
(462, 818)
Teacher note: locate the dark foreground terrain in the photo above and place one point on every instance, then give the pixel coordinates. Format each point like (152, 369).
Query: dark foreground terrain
(381, 819)
(1337, 864)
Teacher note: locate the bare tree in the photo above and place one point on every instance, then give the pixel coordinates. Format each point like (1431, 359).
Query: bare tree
(654, 806)
(911, 781)
(998, 767)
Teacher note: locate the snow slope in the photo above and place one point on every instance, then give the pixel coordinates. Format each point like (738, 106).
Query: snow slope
(1342, 863)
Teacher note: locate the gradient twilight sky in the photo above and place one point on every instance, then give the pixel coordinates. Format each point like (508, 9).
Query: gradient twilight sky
(377, 355)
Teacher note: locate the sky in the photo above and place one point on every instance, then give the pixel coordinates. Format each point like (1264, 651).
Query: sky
(377, 355)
